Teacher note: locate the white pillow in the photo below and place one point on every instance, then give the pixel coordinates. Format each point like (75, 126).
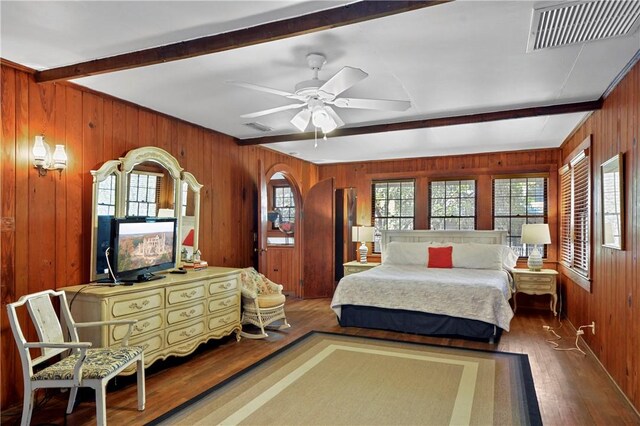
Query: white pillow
(402, 253)
(477, 256)
(509, 257)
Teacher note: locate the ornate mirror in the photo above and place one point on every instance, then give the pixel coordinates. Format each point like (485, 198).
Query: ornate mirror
(147, 182)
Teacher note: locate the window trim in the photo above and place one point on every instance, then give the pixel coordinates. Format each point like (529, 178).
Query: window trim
(451, 179)
(581, 155)
(373, 202)
(545, 215)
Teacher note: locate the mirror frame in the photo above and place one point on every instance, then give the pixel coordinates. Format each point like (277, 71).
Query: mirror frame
(122, 168)
(609, 184)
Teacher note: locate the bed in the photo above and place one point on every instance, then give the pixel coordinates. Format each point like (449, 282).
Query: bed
(470, 299)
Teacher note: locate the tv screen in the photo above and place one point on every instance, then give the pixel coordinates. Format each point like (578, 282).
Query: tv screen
(141, 246)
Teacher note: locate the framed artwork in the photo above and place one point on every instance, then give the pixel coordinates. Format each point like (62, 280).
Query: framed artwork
(613, 202)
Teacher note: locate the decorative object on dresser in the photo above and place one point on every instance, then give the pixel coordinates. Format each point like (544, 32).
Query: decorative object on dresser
(175, 314)
(85, 366)
(535, 233)
(363, 235)
(355, 266)
(535, 283)
(262, 303)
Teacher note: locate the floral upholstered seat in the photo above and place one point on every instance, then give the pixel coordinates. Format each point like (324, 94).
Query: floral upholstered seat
(262, 303)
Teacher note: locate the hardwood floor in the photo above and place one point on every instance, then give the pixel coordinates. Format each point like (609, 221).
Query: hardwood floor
(572, 389)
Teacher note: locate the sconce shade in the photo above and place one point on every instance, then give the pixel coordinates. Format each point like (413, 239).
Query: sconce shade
(59, 157)
(363, 234)
(536, 233)
(39, 151)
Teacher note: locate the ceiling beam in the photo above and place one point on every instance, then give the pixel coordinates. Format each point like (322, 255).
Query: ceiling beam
(436, 122)
(323, 20)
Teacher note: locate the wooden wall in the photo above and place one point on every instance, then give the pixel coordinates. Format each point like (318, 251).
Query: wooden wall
(478, 166)
(45, 233)
(614, 300)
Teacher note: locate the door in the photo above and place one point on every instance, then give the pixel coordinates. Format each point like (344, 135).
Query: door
(319, 241)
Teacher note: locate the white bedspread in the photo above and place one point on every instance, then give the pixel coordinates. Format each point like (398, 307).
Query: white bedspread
(479, 294)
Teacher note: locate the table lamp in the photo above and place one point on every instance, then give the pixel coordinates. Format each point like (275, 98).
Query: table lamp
(362, 234)
(535, 233)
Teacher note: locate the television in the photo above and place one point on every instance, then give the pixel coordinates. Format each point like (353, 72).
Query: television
(141, 246)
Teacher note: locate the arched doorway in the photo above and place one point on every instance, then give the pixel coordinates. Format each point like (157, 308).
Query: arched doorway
(279, 231)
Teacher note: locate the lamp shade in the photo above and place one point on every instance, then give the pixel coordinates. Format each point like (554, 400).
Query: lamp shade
(536, 233)
(363, 234)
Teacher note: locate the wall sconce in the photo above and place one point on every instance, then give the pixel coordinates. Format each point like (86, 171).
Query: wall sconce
(44, 161)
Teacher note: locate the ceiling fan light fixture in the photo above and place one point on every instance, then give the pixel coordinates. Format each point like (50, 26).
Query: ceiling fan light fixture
(320, 118)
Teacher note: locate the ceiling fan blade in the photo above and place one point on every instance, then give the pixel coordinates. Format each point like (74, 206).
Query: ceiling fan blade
(342, 80)
(260, 88)
(272, 110)
(301, 119)
(334, 115)
(381, 104)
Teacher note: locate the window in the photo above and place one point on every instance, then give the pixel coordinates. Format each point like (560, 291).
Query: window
(107, 197)
(144, 194)
(516, 201)
(575, 214)
(284, 203)
(392, 207)
(453, 204)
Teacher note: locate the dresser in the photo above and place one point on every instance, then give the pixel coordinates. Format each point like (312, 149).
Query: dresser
(536, 282)
(175, 314)
(355, 266)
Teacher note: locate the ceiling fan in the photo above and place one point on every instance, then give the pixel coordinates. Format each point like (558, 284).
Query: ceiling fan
(318, 97)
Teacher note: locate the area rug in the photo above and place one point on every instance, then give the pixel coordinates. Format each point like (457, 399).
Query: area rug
(335, 379)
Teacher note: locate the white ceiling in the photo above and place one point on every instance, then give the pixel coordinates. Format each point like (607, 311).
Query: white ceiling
(454, 59)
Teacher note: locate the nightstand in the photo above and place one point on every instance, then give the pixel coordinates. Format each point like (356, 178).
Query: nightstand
(536, 282)
(355, 266)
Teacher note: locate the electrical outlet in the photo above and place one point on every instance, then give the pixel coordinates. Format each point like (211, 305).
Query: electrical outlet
(593, 327)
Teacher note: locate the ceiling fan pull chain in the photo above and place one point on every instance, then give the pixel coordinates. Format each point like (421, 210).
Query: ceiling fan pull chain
(315, 144)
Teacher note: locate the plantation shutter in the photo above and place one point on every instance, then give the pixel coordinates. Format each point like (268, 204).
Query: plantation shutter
(581, 222)
(565, 215)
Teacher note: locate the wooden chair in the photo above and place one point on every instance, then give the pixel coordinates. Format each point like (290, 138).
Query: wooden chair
(262, 303)
(84, 367)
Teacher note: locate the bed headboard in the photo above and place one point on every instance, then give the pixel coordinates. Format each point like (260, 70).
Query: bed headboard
(452, 236)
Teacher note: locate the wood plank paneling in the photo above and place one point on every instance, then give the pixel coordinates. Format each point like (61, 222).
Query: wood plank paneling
(48, 244)
(615, 285)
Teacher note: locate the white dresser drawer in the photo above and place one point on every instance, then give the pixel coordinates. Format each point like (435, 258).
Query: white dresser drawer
(145, 324)
(219, 286)
(186, 313)
(217, 305)
(135, 303)
(224, 319)
(185, 293)
(185, 332)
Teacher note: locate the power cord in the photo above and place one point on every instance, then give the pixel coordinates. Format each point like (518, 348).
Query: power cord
(579, 332)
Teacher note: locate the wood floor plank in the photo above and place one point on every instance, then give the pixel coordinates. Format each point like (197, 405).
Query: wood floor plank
(572, 389)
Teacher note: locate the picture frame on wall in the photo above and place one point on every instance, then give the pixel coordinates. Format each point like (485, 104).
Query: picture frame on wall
(612, 191)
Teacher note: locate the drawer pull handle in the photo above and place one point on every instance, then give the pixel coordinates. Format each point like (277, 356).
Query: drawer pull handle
(225, 302)
(224, 320)
(187, 314)
(189, 333)
(226, 286)
(188, 295)
(142, 326)
(135, 305)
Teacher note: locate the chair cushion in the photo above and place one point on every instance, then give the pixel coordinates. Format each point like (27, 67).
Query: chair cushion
(99, 363)
(270, 300)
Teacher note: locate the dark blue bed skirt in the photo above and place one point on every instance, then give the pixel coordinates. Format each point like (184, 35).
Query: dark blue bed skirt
(417, 323)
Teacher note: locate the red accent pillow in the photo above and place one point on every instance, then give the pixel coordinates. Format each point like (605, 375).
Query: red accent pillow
(440, 257)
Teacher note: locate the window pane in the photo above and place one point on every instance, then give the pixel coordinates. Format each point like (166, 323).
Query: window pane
(453, 188)
(452, 223)
(437, 223)
(406, 224)
(452, 207)
(437, 190)
(467, 223)
(467, 207)
(407, 208)
(437, 207)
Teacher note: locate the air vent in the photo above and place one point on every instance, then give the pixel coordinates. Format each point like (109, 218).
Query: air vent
(259, 127)
(579, 22)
